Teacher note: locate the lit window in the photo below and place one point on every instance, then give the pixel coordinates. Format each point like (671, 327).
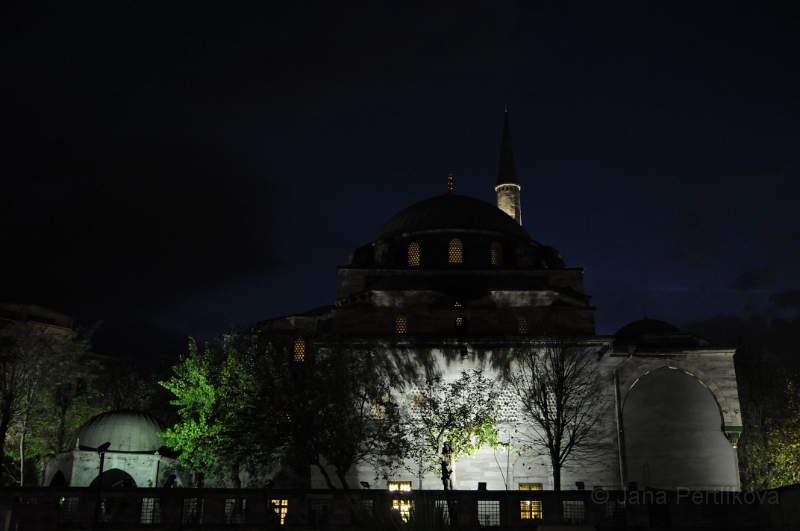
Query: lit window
(522, 325)
(399, 486)
(456, 251)
(299, 350)
(461, 324)
(401, 325)
(401, 506)
(281, 507)
(530, 509)
(497, 254)
(458, 304)
(413, 254)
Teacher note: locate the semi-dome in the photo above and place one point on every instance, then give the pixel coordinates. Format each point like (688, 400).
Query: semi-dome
(648, 327)
(451, 211)
(127, 431)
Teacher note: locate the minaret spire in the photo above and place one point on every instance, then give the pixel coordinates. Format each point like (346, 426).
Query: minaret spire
(507, 187)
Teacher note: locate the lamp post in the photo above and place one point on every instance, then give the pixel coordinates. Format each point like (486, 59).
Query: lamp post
(101, 450)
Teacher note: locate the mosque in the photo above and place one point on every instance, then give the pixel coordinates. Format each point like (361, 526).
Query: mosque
(460, 282)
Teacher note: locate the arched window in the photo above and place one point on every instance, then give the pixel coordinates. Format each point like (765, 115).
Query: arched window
(401, 325)
(522, 324)
(299, 350)
(456, 251)
(497, 254)
(413, 254)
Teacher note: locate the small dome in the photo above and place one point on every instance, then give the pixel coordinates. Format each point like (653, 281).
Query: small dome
(451, 211)
(648, 327)
(127, 431)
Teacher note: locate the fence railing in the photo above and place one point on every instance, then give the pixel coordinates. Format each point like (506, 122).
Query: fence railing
(155, 508)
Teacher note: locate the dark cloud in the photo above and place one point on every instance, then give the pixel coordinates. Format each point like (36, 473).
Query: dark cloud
(692, 252)
(787, 299)
(784, 237)
(753, 278)
(133, 225)
(774, 337)
(768, 173)
(695, 219)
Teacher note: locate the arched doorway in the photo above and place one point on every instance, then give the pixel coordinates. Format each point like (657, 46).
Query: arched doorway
(114, 479)
(58, 480)
(673, 434)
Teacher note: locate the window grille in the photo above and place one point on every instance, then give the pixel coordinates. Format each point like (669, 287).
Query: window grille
(456, 251)
(151, 511)
(68, 508)
(319, 510)
(615, 513)
(507, 406)
(444, 506)
(366, 506)
(489, 512)
(701, 515)
(574, 513)
(522, 324)
(281, 507)
(401, 325)
(403, 507)
(192, 511)
(234, 510)
(497, 254)
(299, 350)
(378, 410)
(416, 403)
(413, 254)
(459, 321)
(530, 509)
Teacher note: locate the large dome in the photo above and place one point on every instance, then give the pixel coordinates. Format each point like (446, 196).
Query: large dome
(127, 431)
(451, 211)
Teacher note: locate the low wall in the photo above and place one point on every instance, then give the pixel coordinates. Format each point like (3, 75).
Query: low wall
(43, 508)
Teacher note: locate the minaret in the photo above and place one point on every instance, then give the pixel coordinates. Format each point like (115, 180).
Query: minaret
(507, 187)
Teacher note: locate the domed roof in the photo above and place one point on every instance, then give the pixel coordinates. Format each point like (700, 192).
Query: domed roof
(127, 431)
(646, 326)
(451, 211)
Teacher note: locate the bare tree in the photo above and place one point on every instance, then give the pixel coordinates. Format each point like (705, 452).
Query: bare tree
(561, 403)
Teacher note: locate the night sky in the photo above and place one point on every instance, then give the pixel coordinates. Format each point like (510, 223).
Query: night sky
(172, 168)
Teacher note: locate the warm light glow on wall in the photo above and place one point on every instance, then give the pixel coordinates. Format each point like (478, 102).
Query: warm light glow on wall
(497, 254)
(299, 350)
(456, 251)
(413, 254)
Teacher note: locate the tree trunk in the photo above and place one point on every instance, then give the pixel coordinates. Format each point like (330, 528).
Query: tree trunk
(342, 479)
(324, 473)
(22, 458)
(556, 477)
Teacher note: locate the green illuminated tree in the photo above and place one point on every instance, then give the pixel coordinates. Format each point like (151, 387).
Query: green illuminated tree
(449, 420)
(246, 402)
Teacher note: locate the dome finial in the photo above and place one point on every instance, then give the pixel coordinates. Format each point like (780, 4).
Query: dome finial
(450, 183)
